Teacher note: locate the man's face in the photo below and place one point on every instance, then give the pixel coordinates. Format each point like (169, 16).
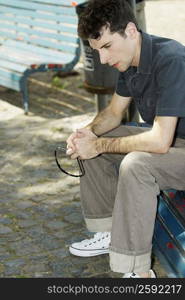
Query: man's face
(116, 50)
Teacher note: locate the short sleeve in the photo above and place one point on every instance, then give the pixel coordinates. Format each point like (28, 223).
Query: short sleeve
(171, 88)
(121, 88)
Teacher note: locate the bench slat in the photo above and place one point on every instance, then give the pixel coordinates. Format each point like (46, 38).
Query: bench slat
(12, 66)
(42, 7)
(15, 76)
(59, 2)
(40, 15)
(58, 26)
(18, 57)
(64, 47)
(21, 31)
(10, 83)
(25, 48)
(29, 57)
(48, 44)
(45, 43)
(56, 3)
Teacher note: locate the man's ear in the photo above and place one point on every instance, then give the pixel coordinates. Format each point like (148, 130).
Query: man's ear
(131, 30)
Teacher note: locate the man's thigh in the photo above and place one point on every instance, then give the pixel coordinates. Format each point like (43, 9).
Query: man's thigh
(168, 169)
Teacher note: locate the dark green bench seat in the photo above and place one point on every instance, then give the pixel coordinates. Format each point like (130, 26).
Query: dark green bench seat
(36, 36)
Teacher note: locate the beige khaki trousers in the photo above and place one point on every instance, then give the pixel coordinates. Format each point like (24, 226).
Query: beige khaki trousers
(119, 194)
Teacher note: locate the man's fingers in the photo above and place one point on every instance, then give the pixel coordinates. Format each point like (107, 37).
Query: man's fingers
(74, 156)
(70, 140)
(69, 151)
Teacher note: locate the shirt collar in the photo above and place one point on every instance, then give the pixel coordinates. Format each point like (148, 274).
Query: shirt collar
(145, 63)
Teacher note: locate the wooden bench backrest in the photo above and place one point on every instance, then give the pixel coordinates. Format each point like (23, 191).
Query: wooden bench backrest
(47, 23)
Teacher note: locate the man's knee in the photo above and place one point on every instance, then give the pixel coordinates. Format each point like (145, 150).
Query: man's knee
(134, 161)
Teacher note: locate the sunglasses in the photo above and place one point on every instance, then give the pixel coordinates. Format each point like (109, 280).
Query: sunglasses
(66, 165)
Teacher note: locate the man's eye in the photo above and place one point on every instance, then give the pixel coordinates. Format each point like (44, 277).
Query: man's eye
(107, 46)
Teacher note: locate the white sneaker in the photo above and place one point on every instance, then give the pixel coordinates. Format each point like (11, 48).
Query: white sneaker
(98, 245)
(134, 275)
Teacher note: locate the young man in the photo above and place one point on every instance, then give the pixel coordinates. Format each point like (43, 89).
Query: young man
(126, 166)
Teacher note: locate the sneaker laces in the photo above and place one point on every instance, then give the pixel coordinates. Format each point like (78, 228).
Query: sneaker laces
(97, 238)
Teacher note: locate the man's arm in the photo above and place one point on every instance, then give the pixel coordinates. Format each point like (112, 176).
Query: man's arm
(111, 116)
(156, 140)
(106, 120)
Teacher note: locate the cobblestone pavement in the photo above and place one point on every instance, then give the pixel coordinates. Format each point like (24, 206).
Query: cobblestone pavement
(40, 213)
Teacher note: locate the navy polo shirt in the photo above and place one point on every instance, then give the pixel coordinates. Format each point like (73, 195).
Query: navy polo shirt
(157, 85)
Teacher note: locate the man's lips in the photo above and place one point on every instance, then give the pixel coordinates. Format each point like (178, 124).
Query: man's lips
(115, 65)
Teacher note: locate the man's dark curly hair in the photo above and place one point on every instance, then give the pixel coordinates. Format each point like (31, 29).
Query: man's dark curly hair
(98, 13)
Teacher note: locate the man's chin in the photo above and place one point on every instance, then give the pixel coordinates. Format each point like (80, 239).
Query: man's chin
(122, 69)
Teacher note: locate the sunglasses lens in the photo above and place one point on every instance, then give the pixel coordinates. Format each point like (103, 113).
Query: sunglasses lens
(67, 165)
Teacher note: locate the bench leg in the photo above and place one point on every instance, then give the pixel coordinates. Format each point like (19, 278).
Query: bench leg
(25, 96)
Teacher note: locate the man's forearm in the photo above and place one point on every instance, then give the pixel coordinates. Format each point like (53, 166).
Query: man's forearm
(156, 140)
(141, 142)
(104, 122)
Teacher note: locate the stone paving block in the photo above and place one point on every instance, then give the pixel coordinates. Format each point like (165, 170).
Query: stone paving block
(25, 247)
(48, 242)
(5, 220)
(61, 268)
(26, 223)
(12, 237)
(16, 263)
(24, 204)
(23, 215)
(5, 229)
(56, 225)
(36, 231)
(5, 256)
(62, 234)
(38, 257)
(74, 218)
(35, 269)
(60, 253)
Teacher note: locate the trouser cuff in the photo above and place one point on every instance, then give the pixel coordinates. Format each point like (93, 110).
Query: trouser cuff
(122, 263)
(99, 225)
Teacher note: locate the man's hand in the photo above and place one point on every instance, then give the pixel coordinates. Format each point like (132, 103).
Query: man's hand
(84, 144)
(71, 149)
(70, 144)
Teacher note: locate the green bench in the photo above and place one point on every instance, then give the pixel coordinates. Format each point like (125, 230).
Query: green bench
(36, 36)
